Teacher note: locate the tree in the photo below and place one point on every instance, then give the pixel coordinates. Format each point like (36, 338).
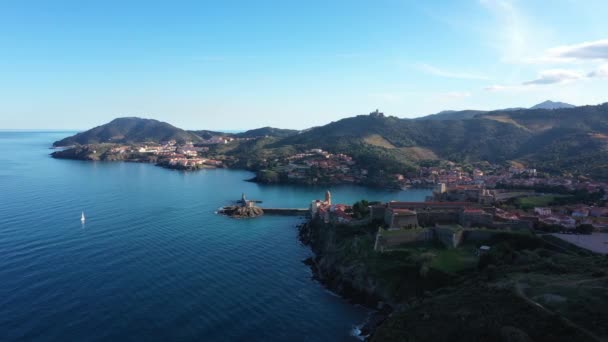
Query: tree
(584, 229)
(360, 209)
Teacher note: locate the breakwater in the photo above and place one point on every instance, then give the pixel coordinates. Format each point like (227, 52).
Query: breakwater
(286, 211)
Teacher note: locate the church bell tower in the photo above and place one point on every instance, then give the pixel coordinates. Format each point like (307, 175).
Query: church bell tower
(328, 197)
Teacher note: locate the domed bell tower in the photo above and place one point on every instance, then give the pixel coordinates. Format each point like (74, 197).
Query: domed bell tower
(328, 197)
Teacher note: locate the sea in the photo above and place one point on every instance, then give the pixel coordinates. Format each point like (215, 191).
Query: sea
(153, 261)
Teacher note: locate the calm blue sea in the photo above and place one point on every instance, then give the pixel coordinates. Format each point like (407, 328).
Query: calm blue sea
(153, 261)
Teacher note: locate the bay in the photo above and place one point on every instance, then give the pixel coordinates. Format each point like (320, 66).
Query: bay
(153, 262)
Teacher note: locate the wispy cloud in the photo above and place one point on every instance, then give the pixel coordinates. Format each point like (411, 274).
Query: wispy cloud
(552, 77)
(601, 72)
(577, 53)
(555, 76)
(596, 50)
(512, 33)
(432, 70)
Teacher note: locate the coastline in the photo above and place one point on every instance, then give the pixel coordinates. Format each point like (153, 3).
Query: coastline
(331, 275)
(63, 153)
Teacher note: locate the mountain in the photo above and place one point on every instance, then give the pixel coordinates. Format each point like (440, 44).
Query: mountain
(252, 133)
(552, 105)
(267, 132)
(129, 130)
(461, 114)
(564, 140)
(452, 115)
(561, 140)
(206, 134)
(469, 114)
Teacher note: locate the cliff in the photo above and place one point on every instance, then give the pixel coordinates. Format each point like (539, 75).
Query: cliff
(346, 263)
(523, 290)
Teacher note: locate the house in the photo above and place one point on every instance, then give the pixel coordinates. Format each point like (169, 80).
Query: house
(598, 211)
(580, 212)
(542, 211)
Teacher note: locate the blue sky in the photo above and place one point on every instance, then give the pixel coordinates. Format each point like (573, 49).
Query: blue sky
(292, 64)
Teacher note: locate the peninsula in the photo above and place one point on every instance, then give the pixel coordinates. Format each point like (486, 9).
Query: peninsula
(562, 146)
(459, 266)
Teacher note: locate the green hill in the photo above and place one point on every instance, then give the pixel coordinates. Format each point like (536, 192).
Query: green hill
(267, 132)
(470, 114)
(129, 130)
(560, 140)
(563, 140)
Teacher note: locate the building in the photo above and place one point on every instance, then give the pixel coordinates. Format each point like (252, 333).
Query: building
(400, 218)
(318, 207)
(542, 211)
(475, 217)
(428, 214)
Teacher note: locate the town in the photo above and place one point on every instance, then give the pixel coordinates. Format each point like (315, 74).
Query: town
(455, 213)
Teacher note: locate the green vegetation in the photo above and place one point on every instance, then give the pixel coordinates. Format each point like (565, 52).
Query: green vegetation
(524, 286)
(361, 209)
(266, 132)
(130, 130)
(527, 203)
(455, 260)
(567, 141)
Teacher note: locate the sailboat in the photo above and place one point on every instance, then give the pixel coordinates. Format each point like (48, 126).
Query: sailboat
(82, 219)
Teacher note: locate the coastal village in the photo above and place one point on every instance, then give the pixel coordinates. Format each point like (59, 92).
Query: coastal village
(456, 214)
(493, 195)
(477, 218)
(169, 154)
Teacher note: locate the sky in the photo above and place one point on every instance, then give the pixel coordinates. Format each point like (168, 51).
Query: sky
(292, 64)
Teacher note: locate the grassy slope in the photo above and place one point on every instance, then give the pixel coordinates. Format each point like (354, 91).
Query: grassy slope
(529, 291)
(498, 301)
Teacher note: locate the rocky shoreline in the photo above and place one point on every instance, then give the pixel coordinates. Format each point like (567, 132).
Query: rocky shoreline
(334, 281)
(495, 302)
(239, 211)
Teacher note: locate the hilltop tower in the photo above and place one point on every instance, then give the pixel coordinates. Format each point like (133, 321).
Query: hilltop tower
(328, 197)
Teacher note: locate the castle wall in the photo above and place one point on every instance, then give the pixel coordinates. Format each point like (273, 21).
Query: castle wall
(396, 238)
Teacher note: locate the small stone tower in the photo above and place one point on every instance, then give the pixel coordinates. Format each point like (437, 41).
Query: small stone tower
(328, 197)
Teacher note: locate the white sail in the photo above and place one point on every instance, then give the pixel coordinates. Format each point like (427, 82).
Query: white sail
(82, 217)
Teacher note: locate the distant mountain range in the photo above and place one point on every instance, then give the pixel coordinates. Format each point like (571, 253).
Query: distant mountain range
(468, 114)
(552, 105)
(569, 139)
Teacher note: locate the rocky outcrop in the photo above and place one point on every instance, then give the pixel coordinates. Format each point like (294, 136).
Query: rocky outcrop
(237, 211)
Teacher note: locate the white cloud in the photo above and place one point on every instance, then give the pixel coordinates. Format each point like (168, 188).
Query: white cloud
(596, 50)
(429, 69)
(547, 77)
(513, 33)
(601, 72)
(498, 87)
(555, 76)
